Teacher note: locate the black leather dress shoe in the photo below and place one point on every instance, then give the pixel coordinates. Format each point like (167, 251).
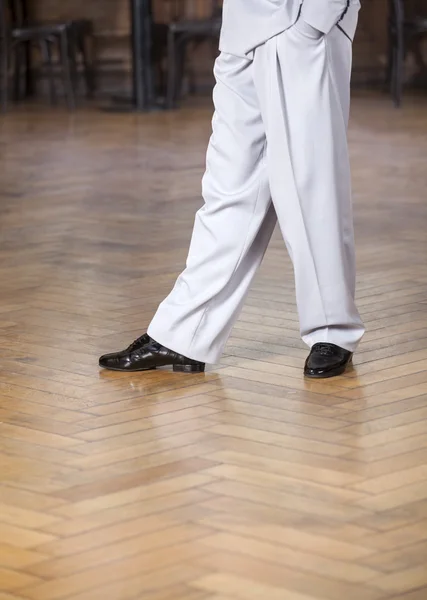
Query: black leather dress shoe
(326, 360)
(144, 354)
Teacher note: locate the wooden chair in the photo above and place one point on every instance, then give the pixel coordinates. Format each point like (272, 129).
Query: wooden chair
(65, 38)
(192, 22)
(405, 32)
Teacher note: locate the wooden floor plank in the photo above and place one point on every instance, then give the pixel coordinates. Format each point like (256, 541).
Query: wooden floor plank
(241, 483)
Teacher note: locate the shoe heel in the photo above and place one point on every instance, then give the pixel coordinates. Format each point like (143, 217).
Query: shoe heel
(198, 368)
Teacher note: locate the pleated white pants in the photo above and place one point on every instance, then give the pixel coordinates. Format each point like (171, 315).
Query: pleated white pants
(278, 152)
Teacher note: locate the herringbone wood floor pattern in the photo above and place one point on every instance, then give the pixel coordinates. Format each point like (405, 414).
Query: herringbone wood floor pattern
(244, 483)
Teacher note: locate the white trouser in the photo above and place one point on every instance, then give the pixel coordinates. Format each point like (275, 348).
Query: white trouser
(279, 147)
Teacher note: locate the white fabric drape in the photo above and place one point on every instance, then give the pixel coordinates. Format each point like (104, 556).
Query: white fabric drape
(278, 151)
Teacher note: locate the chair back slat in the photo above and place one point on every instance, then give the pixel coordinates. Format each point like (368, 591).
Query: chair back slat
(176, 10)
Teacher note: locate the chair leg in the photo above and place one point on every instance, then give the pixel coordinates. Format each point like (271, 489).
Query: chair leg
(389, 66)
(74, 70)
(418, 54)
(176, 68)
(159, 82)
(175, 64)
(393, 78)
(46, 52)
(396, 71)
(181, 56)
(67, 70)
(4, 80)
(88, 62)
(400, 61)
(417, 50)
(171, 66)
(29, 76)
(17, 72)
(192, 88)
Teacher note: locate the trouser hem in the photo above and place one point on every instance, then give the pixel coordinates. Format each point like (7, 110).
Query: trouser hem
(172, 342)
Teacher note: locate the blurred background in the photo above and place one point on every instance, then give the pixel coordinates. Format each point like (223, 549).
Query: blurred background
(246, 482)
(165, 48)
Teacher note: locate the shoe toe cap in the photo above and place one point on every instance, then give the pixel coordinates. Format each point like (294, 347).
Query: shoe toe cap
(110, 361)
(318, 362)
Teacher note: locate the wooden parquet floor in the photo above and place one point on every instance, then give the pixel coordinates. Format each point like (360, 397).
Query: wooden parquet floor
(244, 483)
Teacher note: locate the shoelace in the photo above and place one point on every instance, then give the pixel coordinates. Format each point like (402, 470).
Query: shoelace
(137, 342)
(324, 349)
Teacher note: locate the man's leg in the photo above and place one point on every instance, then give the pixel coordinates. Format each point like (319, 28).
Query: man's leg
(303, 87)
(231, 231)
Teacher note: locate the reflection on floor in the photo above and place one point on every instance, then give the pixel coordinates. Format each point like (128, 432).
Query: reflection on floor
(244, 483)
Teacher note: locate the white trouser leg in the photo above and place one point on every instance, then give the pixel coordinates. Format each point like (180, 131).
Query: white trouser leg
(296, 95)
(231, 231)
(303, 89)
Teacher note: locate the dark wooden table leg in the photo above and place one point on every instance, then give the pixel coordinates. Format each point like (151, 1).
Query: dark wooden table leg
(142, 97)
(4, 61)
(29, 75)
(142, 23)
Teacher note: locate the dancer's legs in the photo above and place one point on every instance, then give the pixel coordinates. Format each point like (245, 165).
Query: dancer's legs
(280, 124)
(303, 85)
(231, 231)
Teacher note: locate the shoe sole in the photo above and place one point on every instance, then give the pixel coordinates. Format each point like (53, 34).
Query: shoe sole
(175, 368)
(332, 373)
